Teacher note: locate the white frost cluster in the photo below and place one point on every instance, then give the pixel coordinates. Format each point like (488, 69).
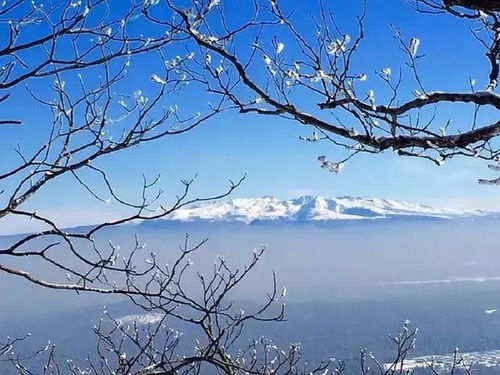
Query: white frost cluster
(293, 75)
(321, 76)
(420, 95)
(213, 4)
(313, 138)
(338, 46)
(414, 44)
(140, 98)
(330, 166)
(206, 38)
(156, 79)
(280, 47)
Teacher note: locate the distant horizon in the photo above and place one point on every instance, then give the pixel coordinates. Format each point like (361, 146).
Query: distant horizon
(90, 217)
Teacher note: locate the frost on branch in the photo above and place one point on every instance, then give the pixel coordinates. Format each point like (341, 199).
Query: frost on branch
(330, 166)
(319, 78)
(91, 113)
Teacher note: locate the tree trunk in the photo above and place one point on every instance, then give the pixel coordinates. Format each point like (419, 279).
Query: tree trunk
(485, 5)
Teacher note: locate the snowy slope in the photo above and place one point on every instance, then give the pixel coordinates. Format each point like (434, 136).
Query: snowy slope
(312, 208)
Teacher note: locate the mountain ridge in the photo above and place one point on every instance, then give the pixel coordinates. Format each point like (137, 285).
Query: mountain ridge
(309, 208)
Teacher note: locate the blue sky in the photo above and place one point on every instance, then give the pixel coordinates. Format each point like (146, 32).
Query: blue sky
(268, 149)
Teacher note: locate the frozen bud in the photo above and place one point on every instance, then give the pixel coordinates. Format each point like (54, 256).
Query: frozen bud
(387, 72)
(156, 79)
(213, 4)
(280, 47)
(414, 44)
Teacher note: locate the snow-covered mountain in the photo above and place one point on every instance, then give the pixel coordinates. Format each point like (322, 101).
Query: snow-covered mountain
(314, 209)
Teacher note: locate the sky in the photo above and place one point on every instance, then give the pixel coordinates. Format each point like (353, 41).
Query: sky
(268, 149)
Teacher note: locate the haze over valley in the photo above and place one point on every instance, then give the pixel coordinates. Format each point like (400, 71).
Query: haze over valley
(437, 268)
